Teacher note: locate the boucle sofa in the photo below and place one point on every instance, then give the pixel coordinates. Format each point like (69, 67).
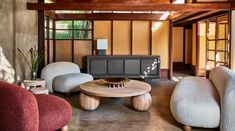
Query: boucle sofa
(206, 103)
(64, 77)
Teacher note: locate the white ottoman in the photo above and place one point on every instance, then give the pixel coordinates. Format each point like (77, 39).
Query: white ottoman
(195, 102)
(70, 82)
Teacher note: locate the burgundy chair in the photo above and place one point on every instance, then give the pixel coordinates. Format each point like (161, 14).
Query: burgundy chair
(20, 110)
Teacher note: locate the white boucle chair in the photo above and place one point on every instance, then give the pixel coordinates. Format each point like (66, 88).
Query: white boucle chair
(207, 103)
(64, 77)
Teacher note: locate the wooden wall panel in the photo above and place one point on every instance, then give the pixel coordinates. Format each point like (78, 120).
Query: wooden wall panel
(141, 37)
(188, 46)
(102, 30)
(177, 44)
(81, 49)
(63, 50)
(121, 38)
(160, 42)
(202, 42)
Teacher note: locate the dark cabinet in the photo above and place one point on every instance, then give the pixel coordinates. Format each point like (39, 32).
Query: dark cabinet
(124, 66)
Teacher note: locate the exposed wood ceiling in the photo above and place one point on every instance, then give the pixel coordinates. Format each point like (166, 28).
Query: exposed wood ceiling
(180, 14)
(197, 17)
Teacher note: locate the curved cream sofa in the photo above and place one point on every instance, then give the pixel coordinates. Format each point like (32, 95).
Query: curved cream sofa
(207, 103)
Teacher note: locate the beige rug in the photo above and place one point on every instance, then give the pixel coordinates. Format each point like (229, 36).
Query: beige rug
(117, 115)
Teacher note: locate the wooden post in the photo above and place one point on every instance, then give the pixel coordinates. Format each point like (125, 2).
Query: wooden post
(170, 73)
(41, 36)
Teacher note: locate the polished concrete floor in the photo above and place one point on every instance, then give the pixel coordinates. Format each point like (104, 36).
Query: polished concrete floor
(117, 115)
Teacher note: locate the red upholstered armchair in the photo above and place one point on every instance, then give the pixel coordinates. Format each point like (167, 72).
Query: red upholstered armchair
(20, 110)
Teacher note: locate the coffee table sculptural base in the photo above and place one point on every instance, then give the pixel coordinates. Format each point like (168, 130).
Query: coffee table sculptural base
(138, 91)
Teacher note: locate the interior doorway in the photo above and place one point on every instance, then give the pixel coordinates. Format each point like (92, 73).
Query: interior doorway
(182, 52)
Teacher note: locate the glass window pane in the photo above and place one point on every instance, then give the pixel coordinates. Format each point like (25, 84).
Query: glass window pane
(210, 64)
(45, 21)
(211, 45)
(63, 34)
(220, 64)
(45, 33)
(220, 56)
(51, 34)
(211, 30)
(82, 34)
(221, 32)
(63, 24)
(82, 24)
(221, 45)
(211, 55)
(50, 23)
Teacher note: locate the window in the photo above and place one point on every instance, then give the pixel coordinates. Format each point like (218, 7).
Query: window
(217, 46)
(77, 29)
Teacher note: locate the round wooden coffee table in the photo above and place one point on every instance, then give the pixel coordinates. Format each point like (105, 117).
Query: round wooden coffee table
(138, 91)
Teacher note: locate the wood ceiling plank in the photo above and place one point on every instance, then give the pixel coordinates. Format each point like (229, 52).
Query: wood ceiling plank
(115, 6)
(199, 18)
(189, 16)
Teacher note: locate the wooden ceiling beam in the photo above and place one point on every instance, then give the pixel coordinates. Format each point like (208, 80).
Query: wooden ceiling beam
(199, 18)
(233, 5)
(118, 6)
(97, 1)
(109, 16)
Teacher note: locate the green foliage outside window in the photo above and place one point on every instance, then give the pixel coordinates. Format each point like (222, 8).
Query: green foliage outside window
(82, 29)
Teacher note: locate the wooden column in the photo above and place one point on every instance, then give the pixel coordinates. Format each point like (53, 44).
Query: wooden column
(197, 50)
(131, 38)
(170, 73)
(54, 41)
(41, 36)
(48, 40)
(111, 37)
(93, 41)
(150, 39)
(72, 43)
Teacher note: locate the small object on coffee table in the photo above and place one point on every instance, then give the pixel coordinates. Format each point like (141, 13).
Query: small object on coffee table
(115, 82)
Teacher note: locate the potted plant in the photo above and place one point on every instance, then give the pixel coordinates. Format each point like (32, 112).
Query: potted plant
(36, 58)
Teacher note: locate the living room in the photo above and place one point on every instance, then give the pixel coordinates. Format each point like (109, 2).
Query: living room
(111, 65)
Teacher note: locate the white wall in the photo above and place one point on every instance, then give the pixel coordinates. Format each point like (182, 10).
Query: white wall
(233, 41)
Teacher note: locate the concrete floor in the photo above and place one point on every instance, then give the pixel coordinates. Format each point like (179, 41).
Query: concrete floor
(117, 115)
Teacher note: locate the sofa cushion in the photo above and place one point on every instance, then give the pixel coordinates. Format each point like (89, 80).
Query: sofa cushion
(195, 102)
(50, 71)
(70, 82)
(54, 112)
